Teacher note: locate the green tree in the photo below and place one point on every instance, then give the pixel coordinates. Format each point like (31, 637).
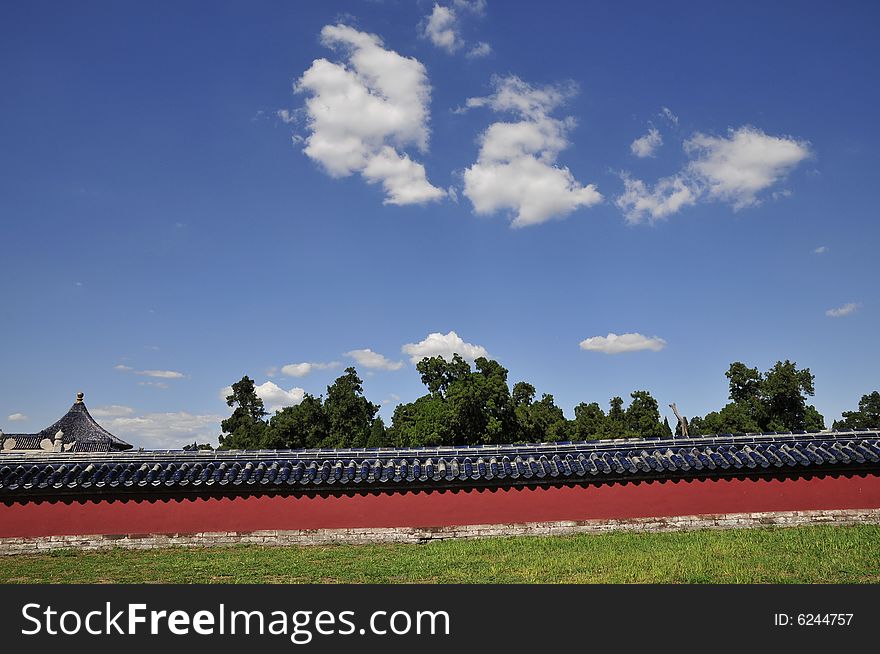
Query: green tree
(298, 427)
(463, 407)
(378, 434)
(773, 401)
(784, 390)
(245, 428)
(349, 414)
(590, 421)
(438, 374)
(867, 417)
(427, 422)
(642, 417)
(482, 411)
(616, 421)
(541, 421)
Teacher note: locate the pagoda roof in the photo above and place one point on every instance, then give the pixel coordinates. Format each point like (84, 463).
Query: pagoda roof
(81, 433)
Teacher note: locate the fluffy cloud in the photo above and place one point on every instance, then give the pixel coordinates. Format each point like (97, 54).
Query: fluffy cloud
(516, 167)
(165, 430)
(160, 374)
(737, 167)
(475, 6)
(274, 397)
(443, 345)
(666, 197)
(666, 113)
(441, 28)
(362, 110)
(646, 146)
(303, 369)
(616, 344)
(822, 249)
(153, 384)
(481, 49)
(845, 310)
(17, 417)
(112, 411)
(732, 169)
(369, 359)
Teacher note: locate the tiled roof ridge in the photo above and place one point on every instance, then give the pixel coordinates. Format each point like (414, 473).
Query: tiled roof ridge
(268, 471)
(465, 450)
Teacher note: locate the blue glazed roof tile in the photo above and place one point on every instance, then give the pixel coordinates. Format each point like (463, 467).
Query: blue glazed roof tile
(40, 474)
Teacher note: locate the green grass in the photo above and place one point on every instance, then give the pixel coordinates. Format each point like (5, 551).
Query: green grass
(824, 554)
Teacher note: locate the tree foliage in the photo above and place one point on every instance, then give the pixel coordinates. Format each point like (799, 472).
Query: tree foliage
(245, 428)
(349, 414)
(473, 404)
(344, 419)
(867, 417)
(298, 427)
(771, 401)
(464, 406)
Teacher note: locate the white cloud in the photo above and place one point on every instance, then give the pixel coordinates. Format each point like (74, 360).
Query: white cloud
(274, 397)
(516, 167)
(359, 112)
(646, 146)
(732, 169)
(668, 115)
(737, 167)
(443, 345)
(476, 6)
(481, 49)
(822, 249)
(666, 197)
(17, 417)
(369, 359)
(441, 28)
(845, 310)
(165, 430)
(303, 369)
(784, 193)
(153, 384)
(111, 411)
(402, 178)
(616, 344)
(286, 115)
(161, 374)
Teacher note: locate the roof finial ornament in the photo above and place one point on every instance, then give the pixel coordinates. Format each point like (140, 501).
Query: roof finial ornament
(79, 397)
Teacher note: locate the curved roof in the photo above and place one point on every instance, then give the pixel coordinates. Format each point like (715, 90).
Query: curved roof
(81, 433)
(27, 475)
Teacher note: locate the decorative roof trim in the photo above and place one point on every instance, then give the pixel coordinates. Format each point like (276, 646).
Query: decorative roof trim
(174, 472)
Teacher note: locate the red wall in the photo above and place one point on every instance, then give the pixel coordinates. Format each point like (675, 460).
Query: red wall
(427, 509)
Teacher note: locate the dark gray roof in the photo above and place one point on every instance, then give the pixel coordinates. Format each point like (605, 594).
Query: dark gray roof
(175, 472)
(81, 433)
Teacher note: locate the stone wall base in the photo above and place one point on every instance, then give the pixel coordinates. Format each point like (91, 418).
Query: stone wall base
(361, 536)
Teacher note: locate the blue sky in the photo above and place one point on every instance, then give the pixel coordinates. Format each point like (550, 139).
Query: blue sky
(192, 191)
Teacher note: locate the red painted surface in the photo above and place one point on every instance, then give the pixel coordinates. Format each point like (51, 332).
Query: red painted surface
(428, 509)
